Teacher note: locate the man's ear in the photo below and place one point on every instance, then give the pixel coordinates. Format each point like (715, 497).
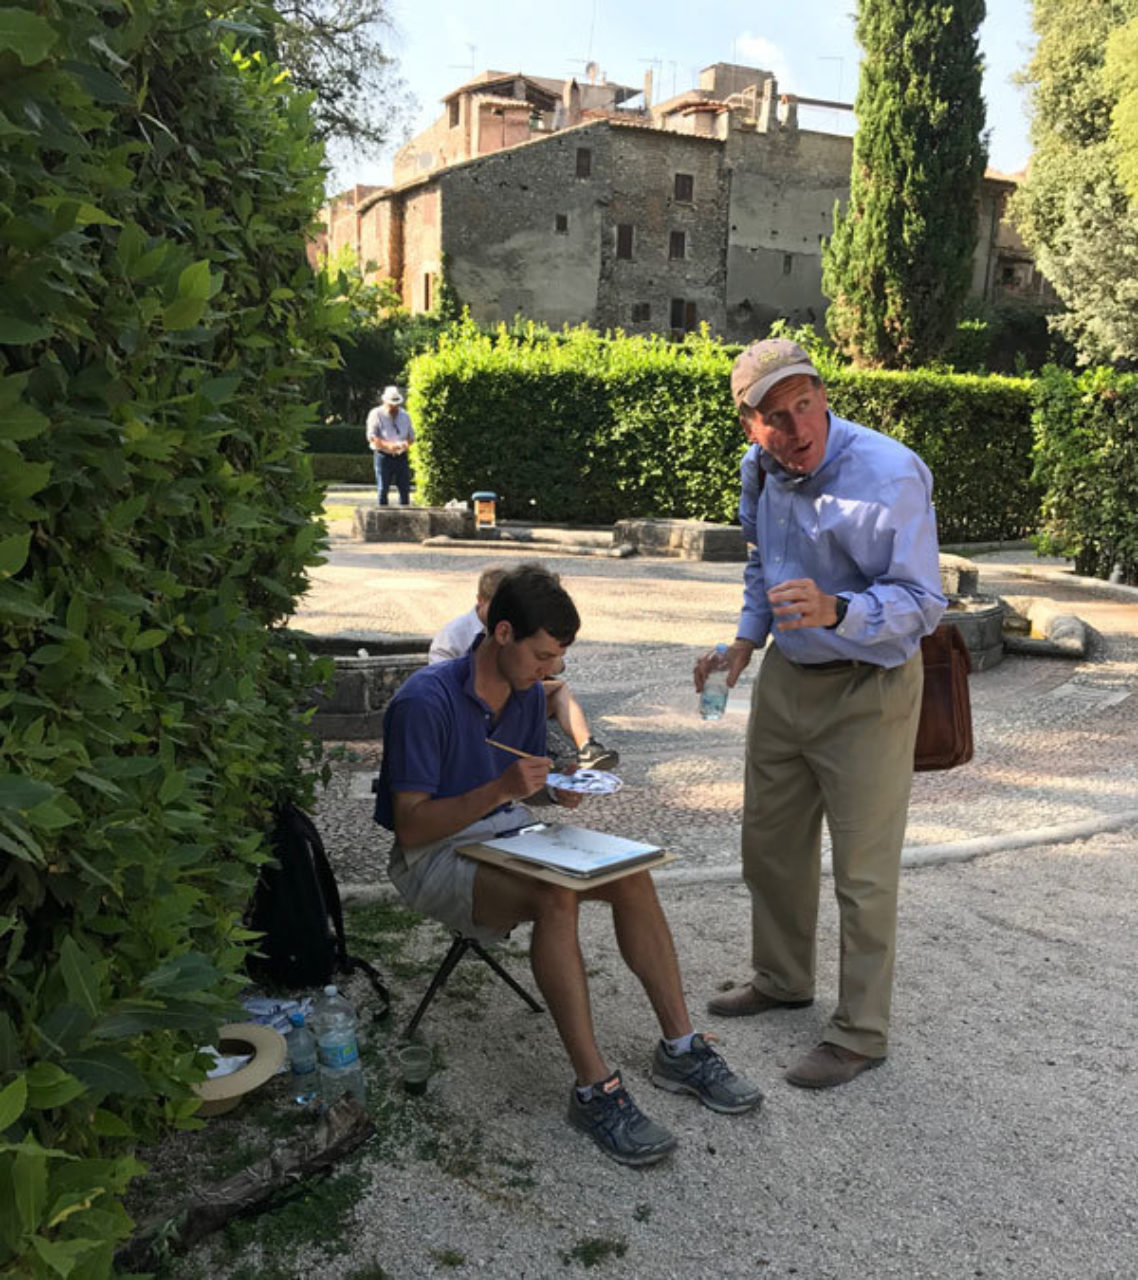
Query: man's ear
(504, 632)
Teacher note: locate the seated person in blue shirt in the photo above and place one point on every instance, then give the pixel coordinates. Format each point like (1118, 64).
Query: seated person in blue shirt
(459, 634)
(442, 785)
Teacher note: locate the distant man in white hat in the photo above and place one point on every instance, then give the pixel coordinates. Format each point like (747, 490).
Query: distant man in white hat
(842, 576)
(390, 435)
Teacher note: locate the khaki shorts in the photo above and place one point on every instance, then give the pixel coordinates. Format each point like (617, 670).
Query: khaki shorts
(440, 883)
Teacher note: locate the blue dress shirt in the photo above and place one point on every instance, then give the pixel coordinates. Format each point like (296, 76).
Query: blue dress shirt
(862, 525)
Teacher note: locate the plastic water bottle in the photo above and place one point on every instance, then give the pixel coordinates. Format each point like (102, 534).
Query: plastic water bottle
(713, 699)
(301, 1050)
(337, 1049)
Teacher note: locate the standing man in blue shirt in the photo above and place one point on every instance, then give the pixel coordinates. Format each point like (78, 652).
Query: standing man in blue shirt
(843, 577)
(389, 436)
(444, 783)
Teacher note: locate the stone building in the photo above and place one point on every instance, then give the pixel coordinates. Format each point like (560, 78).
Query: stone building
(577, 202)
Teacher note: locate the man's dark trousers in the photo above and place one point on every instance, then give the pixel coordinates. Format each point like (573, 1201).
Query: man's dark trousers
(393, 469)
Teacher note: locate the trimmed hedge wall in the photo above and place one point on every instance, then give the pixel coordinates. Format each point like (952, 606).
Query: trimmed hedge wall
(1086, 462)
(591, 429)
(342, 468)
(336, 438)
(160, 334)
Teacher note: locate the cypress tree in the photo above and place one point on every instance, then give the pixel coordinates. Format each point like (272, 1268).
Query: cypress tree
(898, 266)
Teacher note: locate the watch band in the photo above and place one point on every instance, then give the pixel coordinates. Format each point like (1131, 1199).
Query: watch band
(841, 607)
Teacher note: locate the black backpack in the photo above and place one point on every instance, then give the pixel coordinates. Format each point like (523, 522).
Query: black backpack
(296, 905)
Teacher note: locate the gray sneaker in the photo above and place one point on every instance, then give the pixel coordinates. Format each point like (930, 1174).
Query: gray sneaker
(618, 1126)
(595, 756)
(703, 1072)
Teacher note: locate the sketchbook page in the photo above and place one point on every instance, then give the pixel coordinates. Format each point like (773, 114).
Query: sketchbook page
(574, 849)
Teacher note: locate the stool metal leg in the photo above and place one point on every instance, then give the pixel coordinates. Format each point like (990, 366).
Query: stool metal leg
(452, 957)
(508, 979)
(458, 949)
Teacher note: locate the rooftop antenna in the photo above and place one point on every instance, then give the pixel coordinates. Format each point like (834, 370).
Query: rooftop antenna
(472, 66)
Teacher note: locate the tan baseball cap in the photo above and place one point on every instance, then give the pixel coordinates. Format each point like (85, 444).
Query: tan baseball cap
(765, 364)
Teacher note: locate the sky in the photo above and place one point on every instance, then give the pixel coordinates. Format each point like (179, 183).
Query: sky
(808, 44)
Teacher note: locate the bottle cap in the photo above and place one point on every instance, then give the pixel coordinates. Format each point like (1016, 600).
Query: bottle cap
(721, 647)
(330, 990)
(297, 1019)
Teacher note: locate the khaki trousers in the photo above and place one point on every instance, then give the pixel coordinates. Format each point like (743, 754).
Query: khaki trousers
(839, 743)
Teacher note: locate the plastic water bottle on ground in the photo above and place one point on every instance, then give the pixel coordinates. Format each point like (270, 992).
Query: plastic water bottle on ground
(713, 699)
(337, 1048)
(301, 1051)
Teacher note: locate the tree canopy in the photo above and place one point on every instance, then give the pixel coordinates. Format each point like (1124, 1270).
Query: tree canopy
(336, 49)
(898, 266)
(1078, 211)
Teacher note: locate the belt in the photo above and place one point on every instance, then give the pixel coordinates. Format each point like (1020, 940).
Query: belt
(838, 664)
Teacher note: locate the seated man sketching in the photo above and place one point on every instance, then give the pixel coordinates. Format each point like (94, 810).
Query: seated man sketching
(442, 785)
(460, 633)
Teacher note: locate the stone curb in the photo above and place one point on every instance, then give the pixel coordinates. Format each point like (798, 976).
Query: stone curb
(926, 855)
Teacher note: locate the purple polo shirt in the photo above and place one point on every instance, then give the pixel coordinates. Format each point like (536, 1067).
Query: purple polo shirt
(435, 731)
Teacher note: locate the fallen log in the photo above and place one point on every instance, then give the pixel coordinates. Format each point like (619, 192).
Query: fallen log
(337, 1132)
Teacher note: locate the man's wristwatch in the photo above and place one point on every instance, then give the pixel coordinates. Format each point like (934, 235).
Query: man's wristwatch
(841, 605)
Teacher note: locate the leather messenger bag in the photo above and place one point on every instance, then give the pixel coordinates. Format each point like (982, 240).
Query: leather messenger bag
(944, 734)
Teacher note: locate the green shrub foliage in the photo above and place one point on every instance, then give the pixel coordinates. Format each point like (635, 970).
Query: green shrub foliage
(1086, 461)
(159, 332)
(898, 265)
(591, 429)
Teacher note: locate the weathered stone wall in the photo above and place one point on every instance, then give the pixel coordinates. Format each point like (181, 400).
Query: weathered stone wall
(438, 145)
(497, 126)
(641, 166)
(783, 188)
(381, 239)
(422, 246)
(500, 229)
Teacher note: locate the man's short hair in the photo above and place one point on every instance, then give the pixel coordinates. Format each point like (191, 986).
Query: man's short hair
(531, 599)
(488, 582)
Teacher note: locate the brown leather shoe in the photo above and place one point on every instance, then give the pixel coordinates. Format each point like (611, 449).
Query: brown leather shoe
(747, 1000)
(827, 1065)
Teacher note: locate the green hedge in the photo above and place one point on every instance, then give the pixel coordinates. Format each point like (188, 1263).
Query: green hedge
(590, 429)
(160, 334)
(1086, 462)
(343, 468)
(336, 438)
(974, 433)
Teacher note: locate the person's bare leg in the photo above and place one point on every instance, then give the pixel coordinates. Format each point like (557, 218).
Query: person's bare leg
(646, 944)
(502, 900)
(567, 711)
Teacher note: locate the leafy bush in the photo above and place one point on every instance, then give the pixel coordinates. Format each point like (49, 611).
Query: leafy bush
(1010, 338)
(343, 468)
(159, 332)
(974, 433)
(380, 339)
(328, 438)
(588, 428)
(1086, 462)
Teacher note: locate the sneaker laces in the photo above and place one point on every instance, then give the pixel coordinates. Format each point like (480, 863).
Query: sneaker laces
(711, 1060)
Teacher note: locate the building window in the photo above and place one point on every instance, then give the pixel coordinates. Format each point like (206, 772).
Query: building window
(584, 162)
(641, 313)
(426, 291)
(685, 187)
(787, 263)
(677, 244)
(624, 240)
(452, 110)
(683, 317)
(561, 224)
